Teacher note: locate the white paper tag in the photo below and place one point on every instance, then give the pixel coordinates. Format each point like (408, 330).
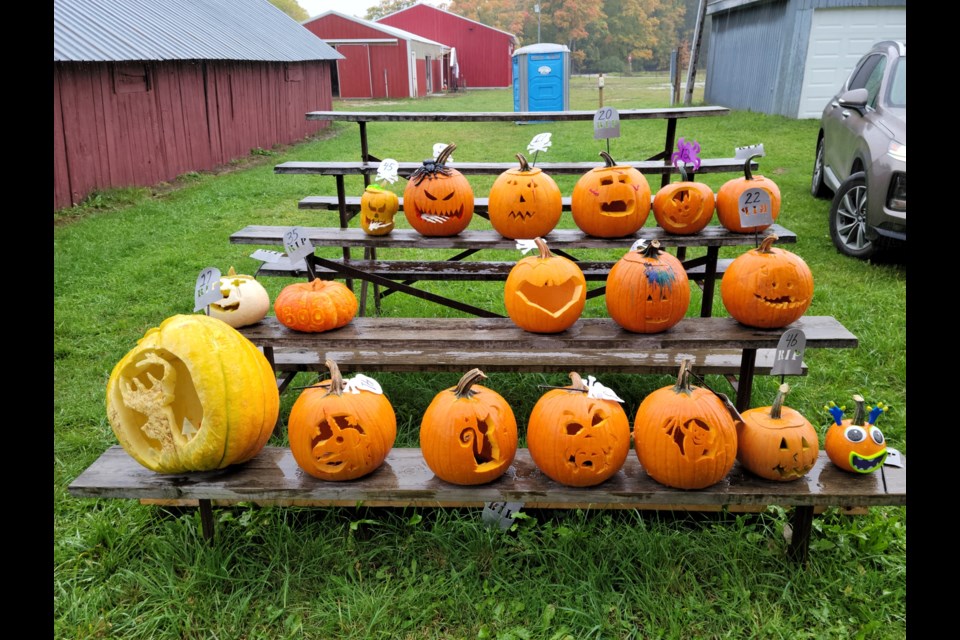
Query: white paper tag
(501, 513)
(742, 153)
(359, 383)
(297, 244)
(387, 171)
(438, 149)
(187, 429)
(606, 123)
(639, 245)
(207, 290)
(266, 255)
(540, 142)
(600, 392)
(893, 459)
(789, 356)
(526, 246)
(756, 209)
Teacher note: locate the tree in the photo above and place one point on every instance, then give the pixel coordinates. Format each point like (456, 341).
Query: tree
(292, 8)
(386, 7)
(506, 15)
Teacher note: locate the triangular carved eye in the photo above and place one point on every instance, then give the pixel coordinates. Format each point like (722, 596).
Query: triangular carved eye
(804, 444)
(783, 444)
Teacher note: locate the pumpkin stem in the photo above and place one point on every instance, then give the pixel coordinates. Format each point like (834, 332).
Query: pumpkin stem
(524, 165)
(446, 153)
(777, 407)
(683, 378)
(336, 380)
(577, 383)
(231, 273)
(544, 249)
(746, 166)
(767, 243)
(608, 159)
(652, 250)
(859, 413)
(683, 171)
(468, 380)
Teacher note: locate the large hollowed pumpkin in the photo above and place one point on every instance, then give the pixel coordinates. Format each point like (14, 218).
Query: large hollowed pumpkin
(767, 287)
(438, 200)
(524, 202)
(468, 434)
(648, 291)
(378, 206)
(245, 301)
(192, 395)
(684, 436)
(685, 207)
(856, 444)
(777, 442)
(315, 306)
(341, 432)
(751, 193)
(611, 201)
(576, 439)
(545, 293)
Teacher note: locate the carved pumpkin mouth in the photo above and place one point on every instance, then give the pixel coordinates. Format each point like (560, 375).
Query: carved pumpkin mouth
(439, 217)
(376, 223)
(867, 464)
(550, 298)
(783, 302)
(520, 215)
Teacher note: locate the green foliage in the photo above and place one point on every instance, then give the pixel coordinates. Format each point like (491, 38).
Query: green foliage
(292, 8)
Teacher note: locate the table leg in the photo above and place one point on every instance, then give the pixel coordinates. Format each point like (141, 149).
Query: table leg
(709, 281)
(801, 522)
(206, 519)
(748, 364)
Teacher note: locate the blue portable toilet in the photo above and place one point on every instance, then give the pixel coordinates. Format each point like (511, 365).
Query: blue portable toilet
(541, 78)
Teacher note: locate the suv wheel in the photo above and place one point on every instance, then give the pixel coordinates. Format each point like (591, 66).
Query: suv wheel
(817, 188)
(848, 218)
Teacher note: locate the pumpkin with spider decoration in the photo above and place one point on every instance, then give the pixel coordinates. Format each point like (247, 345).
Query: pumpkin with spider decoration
(438, 200)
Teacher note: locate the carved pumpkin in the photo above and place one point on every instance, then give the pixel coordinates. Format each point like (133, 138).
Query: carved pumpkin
(777, 442)
(648, 290)
(685, 207)
(192, 395)
(545, 293)
(575, 439)
(856, 444)
(610, 201)
(468, 434)
(524, 203)
(754, 193)
(245, 301)
(767, 287)
(341, 433)
(684, 435)
(315, 306)
(438, 200)
(377, 209)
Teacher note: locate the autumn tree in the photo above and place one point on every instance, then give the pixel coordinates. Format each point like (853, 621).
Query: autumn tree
(506, 15)
(386, 7)
(292, 8)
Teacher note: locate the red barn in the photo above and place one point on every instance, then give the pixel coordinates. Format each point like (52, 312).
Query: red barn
(146, 91)
(484, 54)
(380, 61)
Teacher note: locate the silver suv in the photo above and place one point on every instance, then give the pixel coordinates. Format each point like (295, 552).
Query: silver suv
(862, 154)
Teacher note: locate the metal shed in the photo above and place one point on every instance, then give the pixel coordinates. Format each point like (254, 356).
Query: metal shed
(798, 52)
(144, 91)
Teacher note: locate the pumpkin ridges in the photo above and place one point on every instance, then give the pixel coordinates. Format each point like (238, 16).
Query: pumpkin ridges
(540, 213)
(545, 293)
(695, 197)
(246, 301)
(315, 306)
(457, 198)
(640, 282)
(368, 217)
(728, 199)
(610, 201)
(767, 441)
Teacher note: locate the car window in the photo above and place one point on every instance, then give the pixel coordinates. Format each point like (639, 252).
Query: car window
(897, 94)
(869, 76)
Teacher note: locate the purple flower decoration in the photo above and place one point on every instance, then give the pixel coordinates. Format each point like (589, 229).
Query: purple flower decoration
(689, 152)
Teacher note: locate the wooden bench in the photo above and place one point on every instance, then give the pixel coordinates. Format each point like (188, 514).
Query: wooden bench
(404, 480)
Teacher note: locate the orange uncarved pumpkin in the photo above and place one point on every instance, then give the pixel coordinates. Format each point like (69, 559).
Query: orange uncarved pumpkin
(767, 287)
(685, 207)
(468, 434)
(777, 442)
(577, 440)
(611, 201)
(684, 436)
(378, 206)
(438, 200)
(648, 291)
(856, 444)
(315, 306)
(545, 293)
(750, 193)
(341, 436)
(524, 203)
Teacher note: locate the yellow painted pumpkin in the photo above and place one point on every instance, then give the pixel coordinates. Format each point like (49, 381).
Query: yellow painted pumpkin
(524, 202)
(545, 293)
(245, 301)
(856, 444)
(192, 395)
(777, 442)
(438, 200)
(378, 206)
(611, 201)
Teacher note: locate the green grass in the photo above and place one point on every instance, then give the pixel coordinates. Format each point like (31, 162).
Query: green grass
(122, 569)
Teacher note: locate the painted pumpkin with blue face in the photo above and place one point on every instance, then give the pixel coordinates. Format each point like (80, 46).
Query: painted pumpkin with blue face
(856, 444)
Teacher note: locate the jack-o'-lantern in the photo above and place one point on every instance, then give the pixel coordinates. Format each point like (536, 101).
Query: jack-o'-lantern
(468, 434)
(856, 444)
(767, 287)
(341, 431)
(777, 442)
(193, 395)
(377, 209)
(524, 202)
(685, 436)
(611, 201)
(315, 306)
(648, 291)
(545, 293)
(685, 207)
(752, 192)
(244, 302)
(575, 439)
(438, 200)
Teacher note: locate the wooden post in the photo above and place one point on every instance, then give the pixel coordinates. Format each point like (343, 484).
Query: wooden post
(600, 86)
(695, 53)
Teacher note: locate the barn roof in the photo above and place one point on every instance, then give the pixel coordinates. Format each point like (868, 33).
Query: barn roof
(455, 15)
(122, 30)
(394, 31)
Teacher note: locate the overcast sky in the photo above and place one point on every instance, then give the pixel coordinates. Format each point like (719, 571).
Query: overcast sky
(356, 8)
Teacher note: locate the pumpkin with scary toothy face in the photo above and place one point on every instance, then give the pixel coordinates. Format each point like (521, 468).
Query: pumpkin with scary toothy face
(611, 201)
(377, 208)
(777, 442)
(244, 302)
(438, 200)
(648, 291)
(856, 444)
(524, 202)
(545, 293)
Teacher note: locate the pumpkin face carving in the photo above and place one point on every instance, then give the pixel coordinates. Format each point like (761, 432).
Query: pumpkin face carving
(524, 203)
(438, 200)
(377, 209)
(610, 201)
(684, 208)
(749, 191)
(340, 435)
(648, 291)
(575, 439)
(767, 287)
(777, 442)
(245, 301)
(545, 293)
(856, 444)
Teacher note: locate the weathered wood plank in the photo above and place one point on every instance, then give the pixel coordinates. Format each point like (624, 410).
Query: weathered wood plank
(517, 116)
(405, 479)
